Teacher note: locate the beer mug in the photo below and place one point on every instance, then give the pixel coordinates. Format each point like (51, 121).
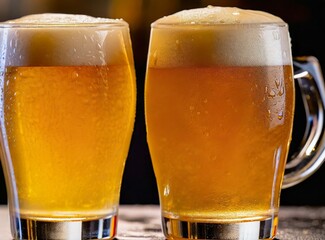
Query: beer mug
(219, 103)
(67, 112)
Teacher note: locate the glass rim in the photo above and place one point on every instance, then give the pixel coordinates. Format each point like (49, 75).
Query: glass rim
(189, 25)
(118, 23)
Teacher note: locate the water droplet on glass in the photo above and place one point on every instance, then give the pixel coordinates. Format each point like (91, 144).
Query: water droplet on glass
(166, 190)
(281, 92)
(191, 108)
(276, 35)
(280, 115)
(155, 58)
(277, 83)
(284, 54)
(271, 94)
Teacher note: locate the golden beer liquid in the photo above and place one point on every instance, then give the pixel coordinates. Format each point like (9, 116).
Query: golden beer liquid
(68, 131)
(218, 138)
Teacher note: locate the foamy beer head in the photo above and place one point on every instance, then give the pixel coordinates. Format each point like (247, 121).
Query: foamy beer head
(63, 39)
(219, 36)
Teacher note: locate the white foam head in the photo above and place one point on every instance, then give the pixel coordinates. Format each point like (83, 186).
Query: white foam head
(218, 35)
(64, 39)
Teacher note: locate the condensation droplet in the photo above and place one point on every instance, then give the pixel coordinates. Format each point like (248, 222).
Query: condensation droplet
(205, 100)
(155, 58)
(206, 133)
(75, 74)
(277, 83)
(281, 91)
(166, 190)
(276, 35)
(271, 94)
(284, 54)
(280, 115)
(191, 108)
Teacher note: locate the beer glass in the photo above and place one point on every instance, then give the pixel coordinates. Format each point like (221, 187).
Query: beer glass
(67, 112)
(219, 101)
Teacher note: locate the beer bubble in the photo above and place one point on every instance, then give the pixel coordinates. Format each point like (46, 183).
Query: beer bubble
(206, 133)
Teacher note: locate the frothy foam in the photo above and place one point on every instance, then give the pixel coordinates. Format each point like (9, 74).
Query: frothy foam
(57, 19)
(64, 39)
(219, 15)
(219, 36)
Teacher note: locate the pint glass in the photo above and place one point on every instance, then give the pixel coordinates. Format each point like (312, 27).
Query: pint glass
(67, 111)
(219, 99)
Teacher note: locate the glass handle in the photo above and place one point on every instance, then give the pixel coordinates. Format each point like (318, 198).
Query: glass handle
(311, 154)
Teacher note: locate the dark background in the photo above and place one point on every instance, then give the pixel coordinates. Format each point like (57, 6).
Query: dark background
(306, 19)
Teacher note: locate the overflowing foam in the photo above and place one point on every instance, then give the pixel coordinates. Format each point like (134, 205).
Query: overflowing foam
(219, 36)
(64, 39)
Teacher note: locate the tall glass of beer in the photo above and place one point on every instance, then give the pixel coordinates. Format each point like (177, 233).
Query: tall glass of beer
(219, 101)
(67, 111)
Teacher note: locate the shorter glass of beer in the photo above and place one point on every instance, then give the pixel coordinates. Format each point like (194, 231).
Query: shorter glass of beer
(67, 111)
(219, 101)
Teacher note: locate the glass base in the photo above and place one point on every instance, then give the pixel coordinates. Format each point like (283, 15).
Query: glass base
(250, 230)
(104, 228)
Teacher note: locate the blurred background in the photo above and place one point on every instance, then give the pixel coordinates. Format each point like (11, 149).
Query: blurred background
(306, 21)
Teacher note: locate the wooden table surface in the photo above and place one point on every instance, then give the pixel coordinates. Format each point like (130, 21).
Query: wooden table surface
(143, 222)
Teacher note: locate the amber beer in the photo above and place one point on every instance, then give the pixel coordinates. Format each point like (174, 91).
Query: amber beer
(68, 128)
(67, 113)
(209, 130)
(219, 114)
